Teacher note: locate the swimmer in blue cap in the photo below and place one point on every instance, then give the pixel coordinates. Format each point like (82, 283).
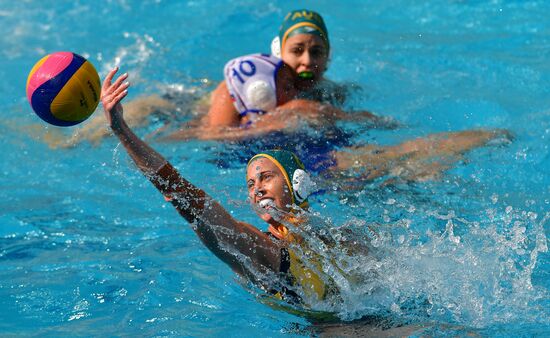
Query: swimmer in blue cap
(254, 84)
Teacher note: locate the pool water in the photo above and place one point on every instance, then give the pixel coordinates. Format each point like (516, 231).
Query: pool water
(89, 248)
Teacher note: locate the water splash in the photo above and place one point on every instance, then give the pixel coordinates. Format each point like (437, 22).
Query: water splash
(475, 273)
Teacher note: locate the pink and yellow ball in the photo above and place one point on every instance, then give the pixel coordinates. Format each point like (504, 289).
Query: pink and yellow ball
(63, 89)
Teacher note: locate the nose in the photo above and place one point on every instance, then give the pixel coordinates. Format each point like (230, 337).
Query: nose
(306, 59)
(258, 189)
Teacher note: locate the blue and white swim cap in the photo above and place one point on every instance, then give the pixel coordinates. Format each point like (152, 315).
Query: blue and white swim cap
(251, 82)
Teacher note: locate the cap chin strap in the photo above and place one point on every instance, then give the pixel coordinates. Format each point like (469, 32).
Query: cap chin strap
(302, 185)
(276, 47)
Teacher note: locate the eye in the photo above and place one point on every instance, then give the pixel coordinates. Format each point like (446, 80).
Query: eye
(250, 184)
(296, 51)
(317, 52)
(267, 176)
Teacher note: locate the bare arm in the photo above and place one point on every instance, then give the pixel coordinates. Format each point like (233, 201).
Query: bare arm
(419, 159)
(221, 233)
(286, 117)
(314, 110)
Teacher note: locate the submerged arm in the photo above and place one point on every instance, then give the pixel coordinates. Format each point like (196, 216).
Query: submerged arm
(419, 159)
(317, 111)
(222, 234)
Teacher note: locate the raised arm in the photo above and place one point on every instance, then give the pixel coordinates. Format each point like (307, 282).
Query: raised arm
(222, 234)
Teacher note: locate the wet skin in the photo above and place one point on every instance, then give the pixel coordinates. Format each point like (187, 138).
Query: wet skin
(306, 53)
(265, 180)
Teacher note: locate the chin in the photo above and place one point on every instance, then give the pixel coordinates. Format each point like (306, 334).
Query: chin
(264, 216)
(306, 84)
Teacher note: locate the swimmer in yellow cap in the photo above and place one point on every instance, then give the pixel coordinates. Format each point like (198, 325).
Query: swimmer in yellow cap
(254, 85)
(278, 187)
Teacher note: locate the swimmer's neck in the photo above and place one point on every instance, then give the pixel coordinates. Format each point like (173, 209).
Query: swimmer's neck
(281, 231)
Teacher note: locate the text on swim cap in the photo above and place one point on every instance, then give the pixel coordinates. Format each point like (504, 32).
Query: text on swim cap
(305, 14)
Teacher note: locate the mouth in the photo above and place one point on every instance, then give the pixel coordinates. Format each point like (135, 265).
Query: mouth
(267, 203)
(306, 75)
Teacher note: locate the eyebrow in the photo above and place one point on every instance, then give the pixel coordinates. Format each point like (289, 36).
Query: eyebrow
(303, 45)
(261, 174)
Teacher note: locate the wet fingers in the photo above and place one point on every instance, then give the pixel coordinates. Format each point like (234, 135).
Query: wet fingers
(109, 78)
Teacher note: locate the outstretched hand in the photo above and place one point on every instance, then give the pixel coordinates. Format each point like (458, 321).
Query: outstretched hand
(111, 95)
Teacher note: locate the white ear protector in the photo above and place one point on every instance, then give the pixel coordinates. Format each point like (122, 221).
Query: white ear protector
(276, 47)
(302, 185)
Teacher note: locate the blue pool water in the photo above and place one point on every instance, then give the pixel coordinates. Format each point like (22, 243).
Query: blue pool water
(89, 248)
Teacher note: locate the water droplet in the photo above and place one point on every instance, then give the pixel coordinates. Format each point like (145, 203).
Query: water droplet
(390, 201)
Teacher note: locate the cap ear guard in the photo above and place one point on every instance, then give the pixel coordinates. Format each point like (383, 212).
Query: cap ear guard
(302, 185)
(276, 47)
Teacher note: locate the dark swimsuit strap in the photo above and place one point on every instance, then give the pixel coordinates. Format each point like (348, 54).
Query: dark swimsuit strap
(286, 294)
